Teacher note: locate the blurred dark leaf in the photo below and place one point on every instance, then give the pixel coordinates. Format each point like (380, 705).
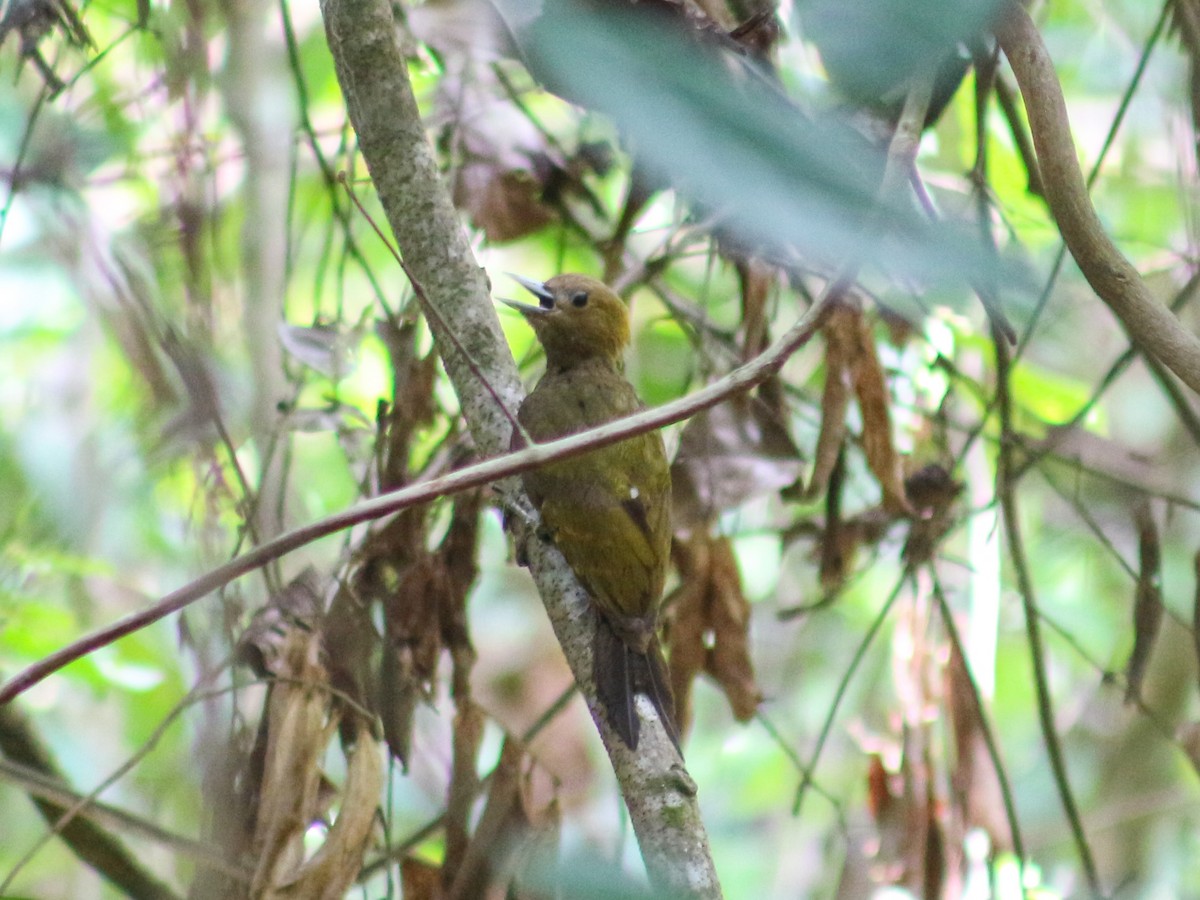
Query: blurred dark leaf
(33, 20)
(726, 137)
(872, 49)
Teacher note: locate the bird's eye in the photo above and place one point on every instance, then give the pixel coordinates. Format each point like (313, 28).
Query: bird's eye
(580, 299)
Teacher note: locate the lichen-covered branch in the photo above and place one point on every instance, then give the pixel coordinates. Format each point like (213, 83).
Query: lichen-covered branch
(374, 79)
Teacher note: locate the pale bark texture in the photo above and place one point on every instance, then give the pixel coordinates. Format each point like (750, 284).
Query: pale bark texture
(372, 72)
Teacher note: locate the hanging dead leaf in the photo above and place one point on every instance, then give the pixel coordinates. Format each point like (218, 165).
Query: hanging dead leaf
(851, 363)
(870, 387)
(835, 398)
(1147, 602)
(727, 455)
(709, 629)
(351, 649)
(755, 278)
(412, 644)
(412, 404)
(295, 730)
(459, 557)
(503, 204)
(422, 594)
(838, 543)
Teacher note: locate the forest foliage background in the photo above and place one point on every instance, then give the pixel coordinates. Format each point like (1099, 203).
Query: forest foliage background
(185, 284)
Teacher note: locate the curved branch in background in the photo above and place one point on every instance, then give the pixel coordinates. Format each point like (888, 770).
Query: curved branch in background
(87, 839)
(1111, 275)
(373, 75)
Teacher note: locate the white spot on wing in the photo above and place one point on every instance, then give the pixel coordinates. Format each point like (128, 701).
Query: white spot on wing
(633, 493)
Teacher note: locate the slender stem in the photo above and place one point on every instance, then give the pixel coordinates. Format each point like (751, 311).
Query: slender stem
(840, 694)
(1016, 549)
(985, 728)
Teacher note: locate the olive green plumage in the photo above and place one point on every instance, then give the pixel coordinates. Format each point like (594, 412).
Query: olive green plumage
(608, 511)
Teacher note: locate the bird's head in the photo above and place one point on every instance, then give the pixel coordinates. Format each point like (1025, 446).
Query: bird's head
(576, 318)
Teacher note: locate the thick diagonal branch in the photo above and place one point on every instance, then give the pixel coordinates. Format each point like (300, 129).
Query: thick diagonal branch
(1111, 275)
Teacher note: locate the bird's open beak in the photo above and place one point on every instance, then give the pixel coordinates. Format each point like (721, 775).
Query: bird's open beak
(538, 289)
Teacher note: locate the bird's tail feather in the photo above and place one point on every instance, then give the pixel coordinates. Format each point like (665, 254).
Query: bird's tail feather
(620, 672)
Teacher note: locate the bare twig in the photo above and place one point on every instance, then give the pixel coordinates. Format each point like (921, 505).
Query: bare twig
(736, 382)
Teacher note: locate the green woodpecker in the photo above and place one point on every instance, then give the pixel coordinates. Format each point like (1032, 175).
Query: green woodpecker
(608, 510)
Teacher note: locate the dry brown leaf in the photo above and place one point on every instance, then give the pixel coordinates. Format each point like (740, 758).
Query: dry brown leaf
(756, 278)
(509, 177)
(420, 880)
(838, 543)
(503, 204)
(851, 363)
(688, 623)
(835, 398)
(459, 556)
(352, 649)
(870, 387)
(335, 866)
(727, 455)
(729, 615)
(463, 787)
(412, 644)
(501, 828)
(710, 627)
(297, 726)
(1147, 602)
